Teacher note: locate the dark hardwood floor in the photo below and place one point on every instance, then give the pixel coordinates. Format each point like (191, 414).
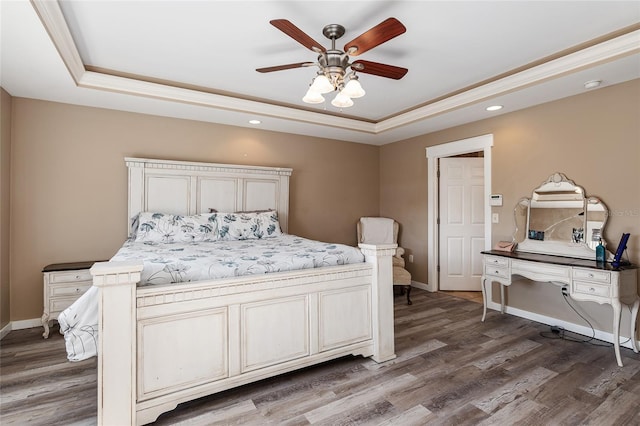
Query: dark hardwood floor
(451, 369)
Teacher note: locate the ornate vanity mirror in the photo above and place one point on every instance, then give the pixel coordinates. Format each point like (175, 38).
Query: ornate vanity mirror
(559, 219)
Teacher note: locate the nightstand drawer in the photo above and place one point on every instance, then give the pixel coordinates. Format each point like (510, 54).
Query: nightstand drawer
(59, 304)
(75, 289)
(592, 275)
(63, 284)
(592, 289)
(70, 276)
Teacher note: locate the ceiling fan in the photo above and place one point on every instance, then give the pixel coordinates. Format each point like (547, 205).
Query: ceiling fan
(333, 64)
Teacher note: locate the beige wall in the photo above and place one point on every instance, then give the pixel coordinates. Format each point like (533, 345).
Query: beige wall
(67, 169)
(593, 138)
(5, 174)
(69, 181)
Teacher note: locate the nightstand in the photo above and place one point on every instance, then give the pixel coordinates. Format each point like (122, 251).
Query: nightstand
(64, 283)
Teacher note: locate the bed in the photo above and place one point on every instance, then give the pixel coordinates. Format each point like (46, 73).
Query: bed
(164, 341)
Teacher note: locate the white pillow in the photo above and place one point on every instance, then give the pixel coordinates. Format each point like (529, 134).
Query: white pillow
(169, 228)
(248, 225)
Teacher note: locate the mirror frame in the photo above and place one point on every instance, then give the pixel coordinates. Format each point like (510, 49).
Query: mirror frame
(582, 250)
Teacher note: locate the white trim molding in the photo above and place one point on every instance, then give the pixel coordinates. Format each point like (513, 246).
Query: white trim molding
(20, 325)
(569, 326)
(464, 146)
(5, 330)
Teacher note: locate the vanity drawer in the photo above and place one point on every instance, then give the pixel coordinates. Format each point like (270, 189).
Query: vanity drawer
(592, 289)
(592, 275)
(540, 271)
(496, 261)
(496, 271)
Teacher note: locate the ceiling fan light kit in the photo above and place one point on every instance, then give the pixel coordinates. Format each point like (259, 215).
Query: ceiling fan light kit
(334, 74)
(353, 89)
(341, 101)
(313, 97)
(322, 85)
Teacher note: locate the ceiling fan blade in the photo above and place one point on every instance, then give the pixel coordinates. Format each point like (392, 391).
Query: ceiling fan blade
(285, 67)
(383, 32)
(381, 70)
(297, 34)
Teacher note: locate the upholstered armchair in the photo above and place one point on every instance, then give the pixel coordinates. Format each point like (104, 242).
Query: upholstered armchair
(380, 230)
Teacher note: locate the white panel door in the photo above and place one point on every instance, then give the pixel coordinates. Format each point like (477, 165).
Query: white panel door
(461, 223)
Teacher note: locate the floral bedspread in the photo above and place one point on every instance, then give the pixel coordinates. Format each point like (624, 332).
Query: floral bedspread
(166, 263)
(199, 261)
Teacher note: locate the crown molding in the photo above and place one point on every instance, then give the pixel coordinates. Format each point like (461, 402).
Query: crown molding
(54, 23)
(130, 86)
(616, 48)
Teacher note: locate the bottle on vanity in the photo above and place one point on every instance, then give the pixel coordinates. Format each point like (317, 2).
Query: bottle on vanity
(600, 252)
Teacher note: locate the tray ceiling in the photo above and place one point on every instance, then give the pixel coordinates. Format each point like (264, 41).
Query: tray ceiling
(197, 59)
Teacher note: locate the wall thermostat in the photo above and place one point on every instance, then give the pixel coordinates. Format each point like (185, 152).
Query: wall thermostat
(496, 199)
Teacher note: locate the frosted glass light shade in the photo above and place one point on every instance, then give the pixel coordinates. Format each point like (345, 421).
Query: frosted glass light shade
(313, 97)
(353, 89)
(342, 101)
(321, 84)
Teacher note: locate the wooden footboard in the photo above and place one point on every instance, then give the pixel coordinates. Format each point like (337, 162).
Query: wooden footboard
(163, 345)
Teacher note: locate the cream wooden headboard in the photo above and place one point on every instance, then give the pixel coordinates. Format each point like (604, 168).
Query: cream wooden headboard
(186, 188)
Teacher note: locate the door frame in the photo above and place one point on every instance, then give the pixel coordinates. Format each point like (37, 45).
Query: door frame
(463, 146)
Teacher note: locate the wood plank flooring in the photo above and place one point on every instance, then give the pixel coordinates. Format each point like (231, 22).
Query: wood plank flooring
(451, 369)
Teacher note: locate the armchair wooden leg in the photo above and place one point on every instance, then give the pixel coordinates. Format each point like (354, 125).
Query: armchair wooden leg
(405, 289)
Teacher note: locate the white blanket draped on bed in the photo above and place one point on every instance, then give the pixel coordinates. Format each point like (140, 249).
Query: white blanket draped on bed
(167, 263)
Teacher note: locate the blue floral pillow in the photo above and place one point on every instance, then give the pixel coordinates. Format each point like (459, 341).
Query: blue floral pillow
(248, 225)
(169, 228)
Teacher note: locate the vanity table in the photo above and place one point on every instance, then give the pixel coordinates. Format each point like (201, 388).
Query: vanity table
(585, 280)
(556, 245)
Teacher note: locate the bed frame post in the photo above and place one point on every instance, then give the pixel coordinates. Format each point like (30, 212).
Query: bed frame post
(382, 299)
(116, 283)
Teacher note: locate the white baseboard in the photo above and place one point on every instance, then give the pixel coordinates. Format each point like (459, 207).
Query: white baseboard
(420, 285)
(576, 328)
(5, 330)
(20, 325)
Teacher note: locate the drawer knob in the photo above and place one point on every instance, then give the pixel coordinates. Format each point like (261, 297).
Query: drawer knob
(77, 277)
(591, 289)
(77, 290)
(497, 272)
(591, 275)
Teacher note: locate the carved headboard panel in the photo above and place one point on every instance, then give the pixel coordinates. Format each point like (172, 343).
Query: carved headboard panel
(186, 188)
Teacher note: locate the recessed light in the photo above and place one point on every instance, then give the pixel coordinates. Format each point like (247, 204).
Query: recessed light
(592, 84)
(255, 121)
(494, 107)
